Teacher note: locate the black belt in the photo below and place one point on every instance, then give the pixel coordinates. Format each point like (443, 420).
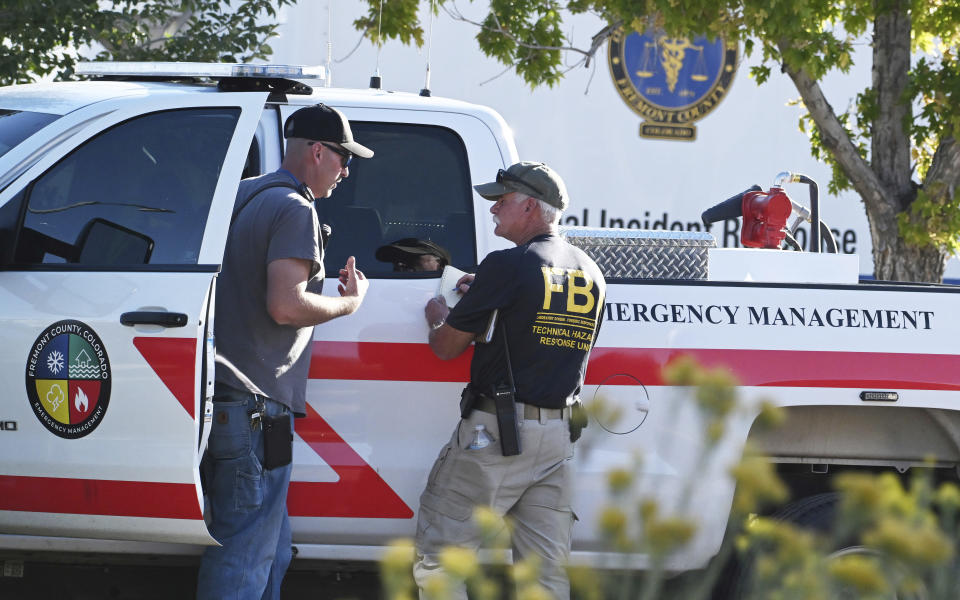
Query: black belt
(530, 412)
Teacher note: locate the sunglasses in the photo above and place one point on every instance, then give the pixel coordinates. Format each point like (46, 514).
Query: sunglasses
(346, 157)
(504, 176)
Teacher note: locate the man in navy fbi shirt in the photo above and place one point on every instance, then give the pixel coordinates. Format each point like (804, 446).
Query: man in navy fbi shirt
(548, 298)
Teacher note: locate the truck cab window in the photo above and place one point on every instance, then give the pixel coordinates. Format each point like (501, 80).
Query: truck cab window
(416, 187)
(136, 194)
(18, 125)
(251, 166)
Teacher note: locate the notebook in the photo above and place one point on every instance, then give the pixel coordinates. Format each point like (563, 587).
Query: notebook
(448, 289)
(448, 285)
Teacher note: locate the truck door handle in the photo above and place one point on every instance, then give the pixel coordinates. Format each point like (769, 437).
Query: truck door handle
(150, 317)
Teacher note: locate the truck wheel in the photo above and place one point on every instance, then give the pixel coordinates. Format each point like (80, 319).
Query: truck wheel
(815, 513)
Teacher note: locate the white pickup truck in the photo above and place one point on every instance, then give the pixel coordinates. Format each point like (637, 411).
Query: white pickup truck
(115, 199)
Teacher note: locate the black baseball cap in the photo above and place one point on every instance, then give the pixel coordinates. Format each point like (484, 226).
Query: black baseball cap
(409, 248)
(322, 123)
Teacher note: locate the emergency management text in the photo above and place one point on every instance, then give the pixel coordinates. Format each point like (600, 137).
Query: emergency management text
(783, 316)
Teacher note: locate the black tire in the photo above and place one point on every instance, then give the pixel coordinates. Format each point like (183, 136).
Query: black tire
(816, 513)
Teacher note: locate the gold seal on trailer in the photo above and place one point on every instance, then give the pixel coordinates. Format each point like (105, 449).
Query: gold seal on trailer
(670, 81)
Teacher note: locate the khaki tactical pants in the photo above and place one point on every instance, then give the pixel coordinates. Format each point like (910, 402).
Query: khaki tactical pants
(533, 488)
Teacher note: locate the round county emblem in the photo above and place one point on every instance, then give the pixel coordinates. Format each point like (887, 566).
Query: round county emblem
(68, 379)
(670, 82)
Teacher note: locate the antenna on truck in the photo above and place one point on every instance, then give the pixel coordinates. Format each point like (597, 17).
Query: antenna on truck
(426, 84)
(375, 80)
(329, 43)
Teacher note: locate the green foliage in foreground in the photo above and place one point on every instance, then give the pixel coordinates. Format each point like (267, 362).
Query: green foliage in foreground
(40, 37)
(889, 539)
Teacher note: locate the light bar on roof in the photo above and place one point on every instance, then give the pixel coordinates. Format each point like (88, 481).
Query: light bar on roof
(196, 69)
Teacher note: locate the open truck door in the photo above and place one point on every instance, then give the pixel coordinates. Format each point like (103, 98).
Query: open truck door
(113, 219)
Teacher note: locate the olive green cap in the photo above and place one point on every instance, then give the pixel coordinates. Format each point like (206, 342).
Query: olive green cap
(531, 178)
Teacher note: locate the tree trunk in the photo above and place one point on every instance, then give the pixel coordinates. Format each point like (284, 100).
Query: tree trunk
(890, 144)
(894, 260)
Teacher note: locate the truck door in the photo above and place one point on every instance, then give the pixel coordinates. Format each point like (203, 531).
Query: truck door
(109, 248)
(379, 403)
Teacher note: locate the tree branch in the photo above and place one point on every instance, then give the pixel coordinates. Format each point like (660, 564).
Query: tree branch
(595, 44)
(836, 139)
(500, 74)
(363, 36)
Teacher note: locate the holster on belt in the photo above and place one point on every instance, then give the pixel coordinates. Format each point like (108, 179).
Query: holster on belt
(503, 399)
(468, 398)
(578, 419)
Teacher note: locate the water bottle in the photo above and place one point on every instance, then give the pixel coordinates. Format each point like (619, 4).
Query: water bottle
(481, 439)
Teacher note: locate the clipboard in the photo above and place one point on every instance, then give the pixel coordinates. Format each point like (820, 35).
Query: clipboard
(487, 335)
(448, 283)
(447, 289)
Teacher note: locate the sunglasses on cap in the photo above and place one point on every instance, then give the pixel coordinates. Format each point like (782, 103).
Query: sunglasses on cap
(346, 157)
(505, 176)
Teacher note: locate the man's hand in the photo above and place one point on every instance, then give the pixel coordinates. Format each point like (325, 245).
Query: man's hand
(446, 342)
(464, 283)
(436, 310)
(289, 302)
(352, 281)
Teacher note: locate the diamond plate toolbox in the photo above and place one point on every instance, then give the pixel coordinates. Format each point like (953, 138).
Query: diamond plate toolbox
(644, 254)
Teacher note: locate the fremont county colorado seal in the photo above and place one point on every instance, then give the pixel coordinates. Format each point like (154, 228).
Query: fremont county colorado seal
(68, 379)
(670, 82)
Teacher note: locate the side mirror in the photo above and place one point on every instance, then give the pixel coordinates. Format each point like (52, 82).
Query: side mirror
(105, 243)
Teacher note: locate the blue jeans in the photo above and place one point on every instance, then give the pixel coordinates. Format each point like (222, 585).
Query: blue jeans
(248, 505)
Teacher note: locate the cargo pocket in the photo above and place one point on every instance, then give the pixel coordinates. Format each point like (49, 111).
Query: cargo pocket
(248, 492)
(437, 466)
(454, 506)
(445, 519)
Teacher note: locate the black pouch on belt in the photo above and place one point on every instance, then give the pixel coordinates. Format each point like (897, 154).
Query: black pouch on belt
(507, 420)
(277, 441)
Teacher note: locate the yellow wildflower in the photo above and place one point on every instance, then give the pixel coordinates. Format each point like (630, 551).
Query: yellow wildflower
(859, 572)
(715, 431)
(913, 544)
(585, 582)
(716, 394)
(533, 592)
(484, 589)
(619, 480)
(648, 509)
(459, 562)
(771, 416)
(437, 587)
(494, 529)
(613, 521)
(948, 496)
(757, 484)
(399, 555)
(666, 535)
(526, 571)
(683, 371)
